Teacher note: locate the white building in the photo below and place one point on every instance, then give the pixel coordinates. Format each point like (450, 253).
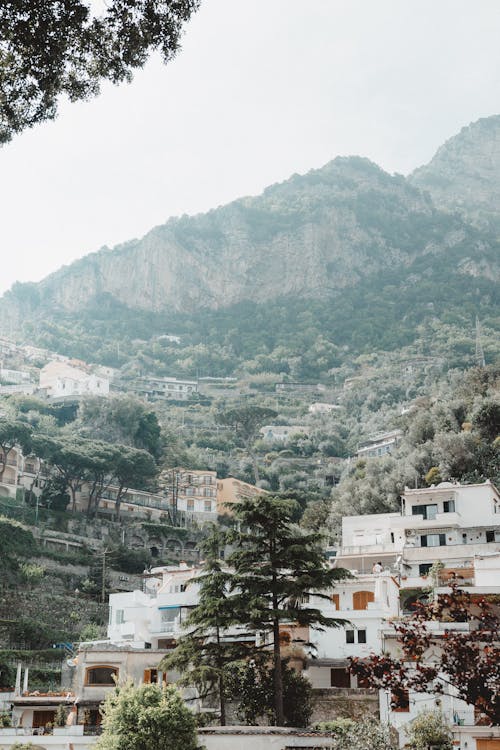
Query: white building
(458, 526)
(61, 380)
(379, 445)
(278, 433)
(14, 376)
(452, 523)
(160, 389)
(364, 602)
(320, 407)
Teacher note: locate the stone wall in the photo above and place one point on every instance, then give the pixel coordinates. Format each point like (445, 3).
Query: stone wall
(351, 703)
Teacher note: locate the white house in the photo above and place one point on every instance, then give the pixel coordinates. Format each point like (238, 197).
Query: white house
(320, 407)
(61, 380)
(457, 525)
(363, 602)
(452, 523)
(379, 445)
(278, 433)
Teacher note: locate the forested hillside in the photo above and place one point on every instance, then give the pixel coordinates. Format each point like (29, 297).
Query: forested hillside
(342, 261)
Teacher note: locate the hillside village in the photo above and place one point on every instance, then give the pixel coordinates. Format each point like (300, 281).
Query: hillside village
(349, 407)
(134, 561)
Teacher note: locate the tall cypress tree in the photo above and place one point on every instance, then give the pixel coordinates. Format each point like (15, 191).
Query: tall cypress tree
(277, 567)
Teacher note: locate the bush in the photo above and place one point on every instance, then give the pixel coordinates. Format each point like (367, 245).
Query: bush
(429, 729)
(147, 717)
(348, 734)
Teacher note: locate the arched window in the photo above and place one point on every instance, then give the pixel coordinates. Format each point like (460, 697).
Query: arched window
(101, 675)
(360, 599)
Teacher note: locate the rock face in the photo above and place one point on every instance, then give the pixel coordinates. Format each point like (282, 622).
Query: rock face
(320, 230)
(327, 230)
(464, 174)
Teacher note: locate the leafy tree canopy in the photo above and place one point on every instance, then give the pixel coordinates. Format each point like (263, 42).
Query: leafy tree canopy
(468, 660)
(277, 568)
(48, 49)
(147, 717)
(251, 683)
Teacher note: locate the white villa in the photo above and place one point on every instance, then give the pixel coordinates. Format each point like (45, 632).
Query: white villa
(60, 380)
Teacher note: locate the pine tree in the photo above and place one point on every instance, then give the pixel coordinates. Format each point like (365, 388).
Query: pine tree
(203, 653)
(277, 567)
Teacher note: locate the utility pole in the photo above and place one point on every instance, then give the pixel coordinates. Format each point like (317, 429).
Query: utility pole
(480, 361)
(103, 572)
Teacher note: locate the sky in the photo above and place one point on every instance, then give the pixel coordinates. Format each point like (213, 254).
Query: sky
(261, 89)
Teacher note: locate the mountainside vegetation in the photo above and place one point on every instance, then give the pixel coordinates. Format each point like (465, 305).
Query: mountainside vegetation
(346, 286)
(343, 261)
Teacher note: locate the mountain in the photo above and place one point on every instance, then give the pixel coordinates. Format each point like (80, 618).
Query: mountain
(324, 229)
(346, 254)
(464, 175)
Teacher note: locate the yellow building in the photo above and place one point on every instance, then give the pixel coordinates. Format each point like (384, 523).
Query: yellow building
(231, 490)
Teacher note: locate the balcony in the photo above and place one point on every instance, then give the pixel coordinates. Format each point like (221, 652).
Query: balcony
(370, 549)
(439, 521)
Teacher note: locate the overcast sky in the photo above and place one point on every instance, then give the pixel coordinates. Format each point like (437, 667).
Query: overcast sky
(260, 90)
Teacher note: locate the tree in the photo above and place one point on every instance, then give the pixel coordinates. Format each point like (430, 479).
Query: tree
(246, 422)
(251, 683)
(61, 48)
(468, 660)
(130, 467)
(12, 433)
(54, 494)
(487, 420)
(120, 419)
(204, 652)
(69, 460)
(277, 567)
(148, 717)
(430, 730)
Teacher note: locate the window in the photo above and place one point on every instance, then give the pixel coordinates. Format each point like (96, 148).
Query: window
(340, 677)
(490, 535)
(360, 599)
(449, 506)
(120, 616)
(168, 618)
(101, 675)
(350, 636)
(427, 511)
(151, 676)
(41, 718)
(208, 506)
(424, 568)
(336, 601)
(190, 503)
(433, 540)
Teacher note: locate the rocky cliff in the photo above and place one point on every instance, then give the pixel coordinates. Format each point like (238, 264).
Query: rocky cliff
(312, 236)
(464, 175)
